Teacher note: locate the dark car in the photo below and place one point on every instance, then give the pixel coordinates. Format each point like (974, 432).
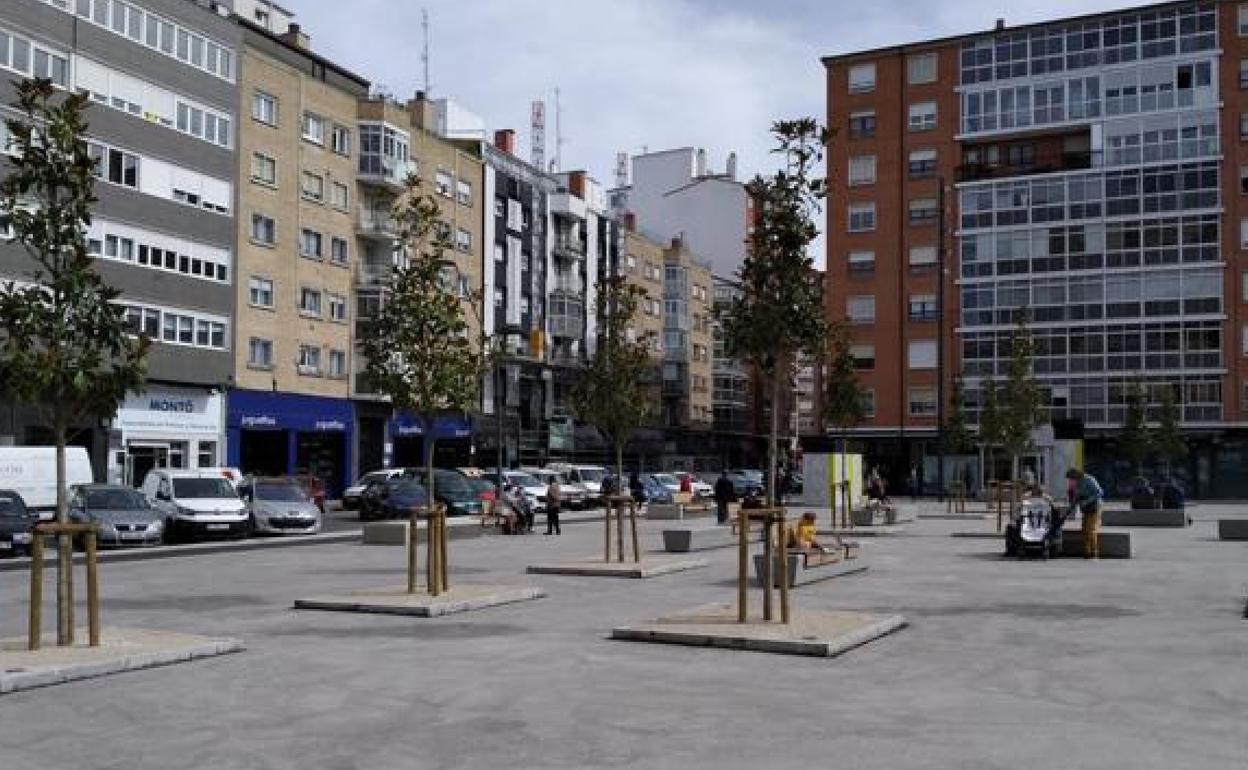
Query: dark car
(452, 489)
(744, 482)
(122, 515)
(485, 490)
(17, 525)
(653, 489)
(393, 499)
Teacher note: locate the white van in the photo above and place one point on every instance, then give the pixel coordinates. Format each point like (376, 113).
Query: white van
(196, 502)
(30, 471)
(588, 476)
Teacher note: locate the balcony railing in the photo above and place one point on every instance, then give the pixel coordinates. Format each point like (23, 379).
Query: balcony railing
(569, 248)
(375, 223)
(387, 172)
(567, 326)
(1070, 161)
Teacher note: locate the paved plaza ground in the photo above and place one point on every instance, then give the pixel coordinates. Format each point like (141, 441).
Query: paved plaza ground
(1136, 664)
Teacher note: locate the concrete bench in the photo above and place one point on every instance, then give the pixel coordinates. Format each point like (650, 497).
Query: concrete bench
(686, 539)
(1112, 545)
(801, 574)
(1233, 529)
(1156, 517)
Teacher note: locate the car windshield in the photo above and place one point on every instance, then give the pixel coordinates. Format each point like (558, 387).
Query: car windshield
(11, 506)
(665, 478)
(281, 492)
(115, 499)
(201, 488)
(593, 474)
(523, 480)
(408, 489)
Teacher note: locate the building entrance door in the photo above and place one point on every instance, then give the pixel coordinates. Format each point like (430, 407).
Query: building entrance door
(142, 457)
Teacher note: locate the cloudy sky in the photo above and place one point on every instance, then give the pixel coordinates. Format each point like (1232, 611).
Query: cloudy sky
(637, 74)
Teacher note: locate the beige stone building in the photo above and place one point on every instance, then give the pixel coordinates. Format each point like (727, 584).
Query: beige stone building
(687, 339)
(641, 264)
(296, 250)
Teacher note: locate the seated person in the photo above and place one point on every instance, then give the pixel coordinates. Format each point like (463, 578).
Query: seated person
(803, 536)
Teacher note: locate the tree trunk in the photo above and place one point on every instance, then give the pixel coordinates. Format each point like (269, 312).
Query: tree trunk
(65, 551)
(772, 437)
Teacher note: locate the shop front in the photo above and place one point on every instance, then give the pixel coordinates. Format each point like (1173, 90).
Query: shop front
(275, 434)
(452, 447)
(165, 427)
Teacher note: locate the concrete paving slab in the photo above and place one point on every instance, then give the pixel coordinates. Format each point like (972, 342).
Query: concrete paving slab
(648, 567)
(395, 600)
(817, 633)
(119, 650)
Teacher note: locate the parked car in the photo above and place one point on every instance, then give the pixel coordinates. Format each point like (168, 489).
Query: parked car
(668, 480)
(743, 483)
(533, 489)
(123, 516)
(392, 498)
(700, 488)
(573, 495)
(17, 524)
(590, 477)
(314, 487)
(484, 489)
(195, 503)
(279, 506)
(452, 489)
(351, 495)
(656, 491)
(30, 472)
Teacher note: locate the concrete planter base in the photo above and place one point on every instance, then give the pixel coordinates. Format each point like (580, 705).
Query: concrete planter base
(1233, 529)
(810, 632)
(686, 539)
(1158, 517)
(646, 568)
(800, 575)
(397, 601)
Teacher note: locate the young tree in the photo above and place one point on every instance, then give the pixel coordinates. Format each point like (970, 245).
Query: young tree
(1021, 399)
(779, 313)
(991, 423)
(418, 347)
(614, 390)
(1135, 439)
(65, 346)
(842, 395)
(1168, 439)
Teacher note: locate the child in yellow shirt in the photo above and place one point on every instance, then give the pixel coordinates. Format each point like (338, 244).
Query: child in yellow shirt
(806, 533)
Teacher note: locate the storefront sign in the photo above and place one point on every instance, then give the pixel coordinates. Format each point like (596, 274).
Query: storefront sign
(444, 426)
(170, 411)
(262, 410)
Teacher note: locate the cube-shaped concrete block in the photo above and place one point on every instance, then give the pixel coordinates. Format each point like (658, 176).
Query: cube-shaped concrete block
(1233, 529)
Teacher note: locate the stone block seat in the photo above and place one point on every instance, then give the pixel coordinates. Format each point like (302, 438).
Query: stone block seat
(810, 566)
(1144, 517)
(1233, 529)
(1113, 544)
(686, 539)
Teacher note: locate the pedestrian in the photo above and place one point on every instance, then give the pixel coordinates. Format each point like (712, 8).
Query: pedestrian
(554, 498)
(636, 488)
(916, 486)
(1087, 494)
(724, 493)
(782, 485)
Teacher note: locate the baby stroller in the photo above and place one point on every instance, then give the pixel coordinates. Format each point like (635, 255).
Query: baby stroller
(1036, 529)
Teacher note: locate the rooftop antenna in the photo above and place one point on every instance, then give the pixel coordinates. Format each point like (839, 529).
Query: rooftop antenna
(621, 169)
(557, 161)
(424, 54)
(537, 137)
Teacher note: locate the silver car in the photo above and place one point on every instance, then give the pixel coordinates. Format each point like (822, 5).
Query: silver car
(280, 506)
(123, 515)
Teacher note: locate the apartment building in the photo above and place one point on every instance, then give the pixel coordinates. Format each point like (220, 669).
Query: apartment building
(395, 140)
(687, 347)
(1083, 170)
(162, 77)
(290, 408)
(642, 266)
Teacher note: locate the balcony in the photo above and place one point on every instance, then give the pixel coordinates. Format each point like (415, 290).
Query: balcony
(371, 273)
(375, 223)
(1070, 161)
(384, 172)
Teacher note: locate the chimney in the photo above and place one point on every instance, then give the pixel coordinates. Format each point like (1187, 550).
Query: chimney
(423, 112)
(1000, 24)
(295, 36)
(732, 166)
(699, 168)
(630, 221)
(505, 140)
(576, 184)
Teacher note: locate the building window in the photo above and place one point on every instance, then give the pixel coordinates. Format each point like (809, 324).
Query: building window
(1243, 125)
(260, 353)
(1243, 180)
(922, 402)
(25, 57)
(263, 169)
(922, 116)
(1242, 24)
(309, 360)
(260, 292)
(860, 309)
(264, 108)
(115, 166)
(263, 229)
(340, 140)
(463, 239)
(862, 262)
(923, 210)
(923, 307)
(868, 402)
(922, 163)
(443, 183)
(339, 196)
(862, 124)
(921, 354)
(1243, 233)
(312, 187)
(337, 363)
(863, 355)
(922, 256)
(921, 68)
(338, 250)
(862, 169)
(337, 308)
(463, 192)
(310, 302)
(862, 78)
(313, 128)
(861, 217)
(310, 243)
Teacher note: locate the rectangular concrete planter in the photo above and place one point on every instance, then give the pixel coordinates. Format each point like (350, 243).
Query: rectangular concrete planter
(1113, 545)
(800, 575)
(665, 512)
(1233, 529)
(1144, 518)
(686, 539)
